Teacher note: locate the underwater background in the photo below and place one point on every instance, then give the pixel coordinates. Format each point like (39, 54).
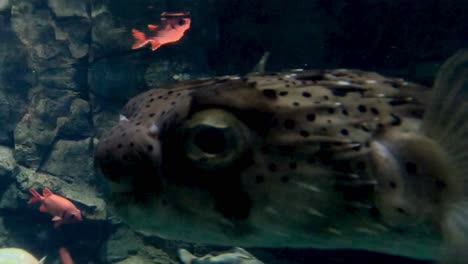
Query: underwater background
(67, 68)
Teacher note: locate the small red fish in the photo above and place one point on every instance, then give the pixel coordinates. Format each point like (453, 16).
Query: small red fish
(62, 210)
(172, 28)
(65, 257)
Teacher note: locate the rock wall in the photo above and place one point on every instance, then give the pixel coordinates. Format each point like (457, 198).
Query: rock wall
(66, 68)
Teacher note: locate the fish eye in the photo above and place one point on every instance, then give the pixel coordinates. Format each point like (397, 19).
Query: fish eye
(181, 22)
(214, 139)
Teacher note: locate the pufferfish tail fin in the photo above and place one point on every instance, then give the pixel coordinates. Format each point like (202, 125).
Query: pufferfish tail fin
(446, 122)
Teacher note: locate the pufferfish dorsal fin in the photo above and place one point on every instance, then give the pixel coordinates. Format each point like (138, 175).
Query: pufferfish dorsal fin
(445, 121)
(260, 67)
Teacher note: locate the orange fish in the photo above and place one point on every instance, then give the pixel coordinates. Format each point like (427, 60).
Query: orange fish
(172, 28)
(62, 210)
(65, 257)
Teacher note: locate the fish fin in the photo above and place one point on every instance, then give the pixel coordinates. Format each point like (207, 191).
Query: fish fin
(243, 252)
(56, 218)
(140, 39)
(42, 261)
(456, 235)
(155, 45)
(445, 122)
(36, 197)
(152, 27)
(185, 256)
(42, 208)
(47, 192)
(260, 67)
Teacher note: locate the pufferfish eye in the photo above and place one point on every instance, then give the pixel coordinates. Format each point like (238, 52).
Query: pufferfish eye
(214, 139)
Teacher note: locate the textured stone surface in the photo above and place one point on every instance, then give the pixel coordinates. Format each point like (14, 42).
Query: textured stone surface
(69, 8)
(77, 123)
(37, 130)
(7, 161)
(71, 160)
(122, 243)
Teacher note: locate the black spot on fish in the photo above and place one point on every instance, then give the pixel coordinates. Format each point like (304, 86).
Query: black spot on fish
(283, 93)
(150, 148)
(310, 117)
(269, 93)
(362, 108)
(398, 101)
(392, 184)
(306, 94)
(344, 132)
(344, 90)
(284, 179)
(304, 133)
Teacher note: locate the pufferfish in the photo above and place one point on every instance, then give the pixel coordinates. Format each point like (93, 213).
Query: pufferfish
(299, 159)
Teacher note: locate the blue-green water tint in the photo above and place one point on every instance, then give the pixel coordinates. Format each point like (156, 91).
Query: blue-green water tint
(66, 69)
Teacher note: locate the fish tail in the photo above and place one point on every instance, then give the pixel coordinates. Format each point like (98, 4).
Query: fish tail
(140, 39)
(422, 174)
(446, 122)
(185, 256)
(65, 256)
(36, 197)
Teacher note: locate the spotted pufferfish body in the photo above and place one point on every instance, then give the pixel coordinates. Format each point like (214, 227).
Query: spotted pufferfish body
(320, 158)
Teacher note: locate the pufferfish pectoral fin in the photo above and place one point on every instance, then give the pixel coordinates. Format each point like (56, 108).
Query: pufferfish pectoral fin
(446, 122)
(422, 175)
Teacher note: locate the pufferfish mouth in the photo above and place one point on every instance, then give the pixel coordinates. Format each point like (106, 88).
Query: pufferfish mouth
(130, 161)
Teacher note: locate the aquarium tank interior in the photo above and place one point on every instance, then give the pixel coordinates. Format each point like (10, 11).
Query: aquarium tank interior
(233, 131)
